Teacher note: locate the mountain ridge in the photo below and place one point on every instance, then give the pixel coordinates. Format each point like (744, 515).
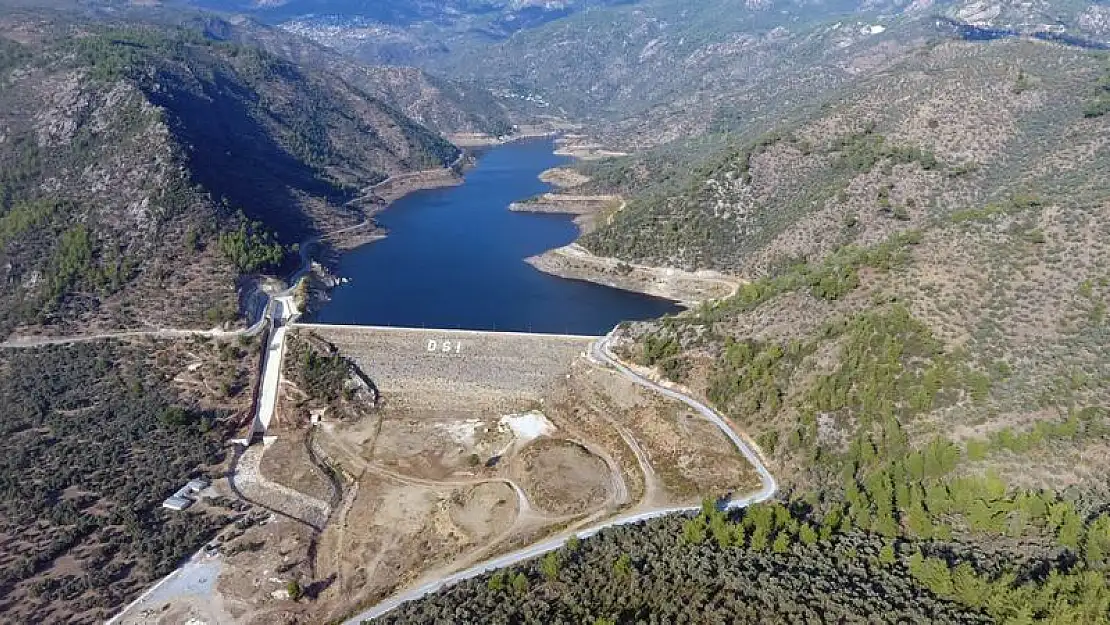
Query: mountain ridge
(298, 148)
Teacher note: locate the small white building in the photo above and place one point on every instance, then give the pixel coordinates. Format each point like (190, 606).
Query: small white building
(176, 503)
(183, 498)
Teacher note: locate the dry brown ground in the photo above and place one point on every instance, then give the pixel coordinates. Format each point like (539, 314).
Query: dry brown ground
(435, 479)
(287, 462)
(563, 477)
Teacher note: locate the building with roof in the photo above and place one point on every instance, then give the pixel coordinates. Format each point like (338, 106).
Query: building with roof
(197, 485)
(184, 497)
(176, 503)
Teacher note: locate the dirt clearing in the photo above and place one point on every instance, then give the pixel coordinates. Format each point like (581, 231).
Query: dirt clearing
(563, 477)
(471, 445)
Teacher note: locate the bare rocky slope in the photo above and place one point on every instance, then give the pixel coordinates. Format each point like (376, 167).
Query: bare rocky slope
(145, 167)
(948, 126)
(447, 106)
(952, 207)
(919, 354)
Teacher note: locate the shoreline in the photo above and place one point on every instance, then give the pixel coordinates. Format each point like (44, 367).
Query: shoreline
(584, 209)
(476, 140)
(688, 288)
(575, 262)
(553, 127)
(319, 266)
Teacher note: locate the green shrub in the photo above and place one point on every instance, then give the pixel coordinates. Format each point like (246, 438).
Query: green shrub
(1097, 107)
(251, 248)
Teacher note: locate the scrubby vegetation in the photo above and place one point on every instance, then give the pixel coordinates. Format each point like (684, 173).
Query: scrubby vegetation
(874, 159)
(94, 440)
(323, 376)
(1099, 104)
(143, 166)
(251, 248)
(326, 379)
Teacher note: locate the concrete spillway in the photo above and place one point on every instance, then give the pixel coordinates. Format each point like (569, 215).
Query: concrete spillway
(266, 402)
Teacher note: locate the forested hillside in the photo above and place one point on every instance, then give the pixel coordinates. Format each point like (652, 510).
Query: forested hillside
(143, 167)
(951, 126)
(95, 436)
(770, 564)
(440, 104)
(919, 354)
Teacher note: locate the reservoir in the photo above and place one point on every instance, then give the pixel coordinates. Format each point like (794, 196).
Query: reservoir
(454, 258)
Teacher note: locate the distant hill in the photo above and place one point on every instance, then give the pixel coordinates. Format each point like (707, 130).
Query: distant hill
(948, 126)
(664, 69)
(144, 167)
(496, 16)
(443, 105)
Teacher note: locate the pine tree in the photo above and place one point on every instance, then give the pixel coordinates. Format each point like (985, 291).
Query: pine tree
(549, 566)
(520, 584)
(807, 534)
(782, 543)
(622, 566)
(886, 555)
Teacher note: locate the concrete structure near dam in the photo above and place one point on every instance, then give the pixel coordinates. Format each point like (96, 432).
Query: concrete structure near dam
(438, 369)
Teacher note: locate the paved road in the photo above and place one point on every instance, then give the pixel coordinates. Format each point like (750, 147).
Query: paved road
(599, 352)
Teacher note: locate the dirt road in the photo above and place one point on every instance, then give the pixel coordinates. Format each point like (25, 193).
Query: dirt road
(601, 354)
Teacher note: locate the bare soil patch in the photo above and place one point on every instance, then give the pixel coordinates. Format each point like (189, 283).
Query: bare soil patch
(687, 457)
(436, 446)
(564, 177)
(485, 510)
(391, 533)
(563, 477)
(287, 462)
(690, 287)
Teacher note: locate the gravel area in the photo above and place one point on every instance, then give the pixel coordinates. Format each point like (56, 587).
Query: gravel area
(249, 480)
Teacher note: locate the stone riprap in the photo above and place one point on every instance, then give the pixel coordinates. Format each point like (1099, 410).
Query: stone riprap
(455, 369)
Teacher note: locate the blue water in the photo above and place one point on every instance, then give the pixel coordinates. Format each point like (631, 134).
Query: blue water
(454, 258)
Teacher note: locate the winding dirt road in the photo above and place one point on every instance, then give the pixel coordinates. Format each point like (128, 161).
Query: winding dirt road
(600, 353)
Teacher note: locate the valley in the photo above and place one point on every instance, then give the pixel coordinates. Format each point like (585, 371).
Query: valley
(597, 312)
